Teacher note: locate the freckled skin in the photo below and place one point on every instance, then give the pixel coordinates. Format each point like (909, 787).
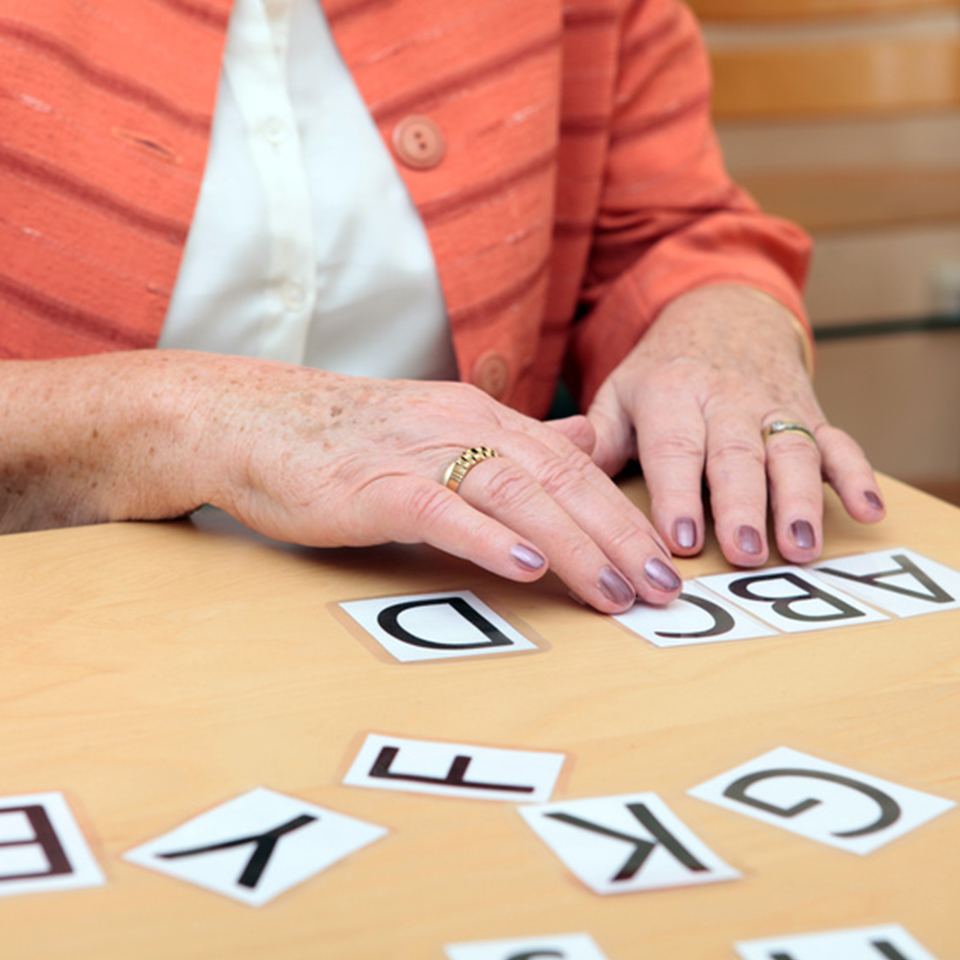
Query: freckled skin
(326, 460)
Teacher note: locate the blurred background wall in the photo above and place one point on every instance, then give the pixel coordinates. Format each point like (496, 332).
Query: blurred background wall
(844, 115)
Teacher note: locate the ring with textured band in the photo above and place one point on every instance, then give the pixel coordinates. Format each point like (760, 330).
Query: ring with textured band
(788, 426)
(454, 474)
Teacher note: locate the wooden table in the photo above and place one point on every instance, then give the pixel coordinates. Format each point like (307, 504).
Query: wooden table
(152, 671)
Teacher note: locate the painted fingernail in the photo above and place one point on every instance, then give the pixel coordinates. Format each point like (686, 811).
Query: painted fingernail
(526, 557)
(873, 499)
(802, 533)
(662, 576)
(614, 587)
(749, 540)
(576, 598)
(685, 533)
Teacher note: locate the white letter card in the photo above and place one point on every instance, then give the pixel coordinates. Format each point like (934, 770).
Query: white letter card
(455, 770)
(625, 843)
(436, 626)
(822, 801)
(256, 846)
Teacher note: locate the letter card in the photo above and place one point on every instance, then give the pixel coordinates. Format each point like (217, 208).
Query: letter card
(436, 626)
(256, 846)
(822, 801)
(455, 770)
(696, 616)
(898, 580)
(574, 946)
(792, 599)
(42, 848)
(889, 942)
(625, 843)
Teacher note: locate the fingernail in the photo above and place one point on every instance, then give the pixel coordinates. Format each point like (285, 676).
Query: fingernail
(576, 598)
(749, 539)
(661, 575)
(526, 557)
(873, 499)
(802, 533)
(685, 532)
(614, 587)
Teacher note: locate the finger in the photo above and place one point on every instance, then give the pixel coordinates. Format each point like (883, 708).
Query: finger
(615, 436)
(671, 435)
(796, 495)
(536, 448)
(414, 510)
(578, 430)
(578, 496)
(736, 475)
(847, 470)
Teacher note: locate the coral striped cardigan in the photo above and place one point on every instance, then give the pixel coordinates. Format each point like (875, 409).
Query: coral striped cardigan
(580, 189)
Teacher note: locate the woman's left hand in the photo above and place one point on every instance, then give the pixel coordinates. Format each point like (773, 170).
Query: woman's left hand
(693, 399)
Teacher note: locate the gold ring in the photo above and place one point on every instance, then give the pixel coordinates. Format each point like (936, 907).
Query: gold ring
(454, 474)
(788, 426)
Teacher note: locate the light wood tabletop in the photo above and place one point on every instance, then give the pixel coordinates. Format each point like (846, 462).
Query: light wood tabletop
(150, 672)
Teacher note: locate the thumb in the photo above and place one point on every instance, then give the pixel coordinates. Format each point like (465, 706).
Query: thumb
(616, 440)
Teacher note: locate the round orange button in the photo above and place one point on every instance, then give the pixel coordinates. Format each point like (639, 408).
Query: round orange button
(491, 373)
(419, 142)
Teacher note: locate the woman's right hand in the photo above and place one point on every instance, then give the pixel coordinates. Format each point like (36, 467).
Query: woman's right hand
(327, 460)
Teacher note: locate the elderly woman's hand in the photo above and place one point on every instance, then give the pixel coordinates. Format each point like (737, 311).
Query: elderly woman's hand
(693, 399)
(327, 460)
(323, 460)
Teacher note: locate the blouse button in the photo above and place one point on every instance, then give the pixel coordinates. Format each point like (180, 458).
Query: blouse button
(419, 143)
(491, 373)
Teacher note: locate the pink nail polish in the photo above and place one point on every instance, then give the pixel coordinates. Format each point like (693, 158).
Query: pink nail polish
(802, 533)
(873, 499)
(527, 558)
(748, 539)
(615, 588)
(660, 575)
(685, 533)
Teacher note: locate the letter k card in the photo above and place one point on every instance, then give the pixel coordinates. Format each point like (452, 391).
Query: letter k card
(626, 843)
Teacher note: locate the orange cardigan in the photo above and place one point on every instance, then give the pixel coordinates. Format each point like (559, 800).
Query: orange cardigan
(579, 192)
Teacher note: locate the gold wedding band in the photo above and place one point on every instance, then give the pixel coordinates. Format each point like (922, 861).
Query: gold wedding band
(788, 426)
(454, 474)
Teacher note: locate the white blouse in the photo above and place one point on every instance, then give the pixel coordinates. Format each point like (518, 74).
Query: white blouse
(305, 245)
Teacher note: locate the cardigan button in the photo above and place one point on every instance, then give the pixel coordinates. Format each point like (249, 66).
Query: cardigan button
(419, 143)
(491, 373)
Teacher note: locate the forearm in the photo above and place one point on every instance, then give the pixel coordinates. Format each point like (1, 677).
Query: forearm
(90, 439)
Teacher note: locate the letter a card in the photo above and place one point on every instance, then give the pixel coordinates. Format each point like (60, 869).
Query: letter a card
(822, 801)
(625, 844)
(436, 626)
(899, 580)
(42, 848)
(256, 846)
(890, 942)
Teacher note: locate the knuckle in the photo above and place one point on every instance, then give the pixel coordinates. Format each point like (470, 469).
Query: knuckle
(426, 506)
(563, 476)
(509, 487)
(675, 447)
(738, 449)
